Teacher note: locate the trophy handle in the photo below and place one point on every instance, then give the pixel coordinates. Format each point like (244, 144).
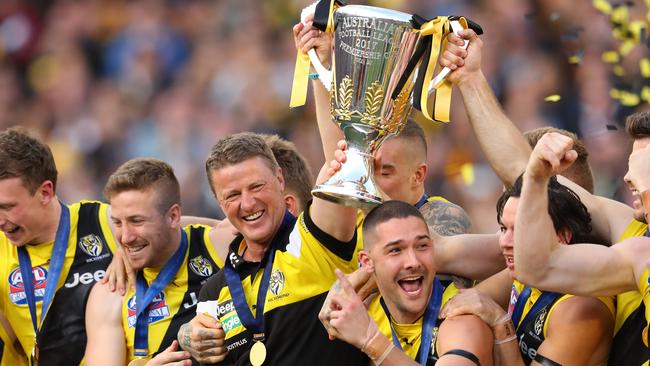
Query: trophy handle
(456, 27)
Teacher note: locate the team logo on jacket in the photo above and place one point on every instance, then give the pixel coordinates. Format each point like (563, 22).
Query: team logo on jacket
(276, 283)
(201, 266)
(91, 245)
(157, 310)
(17, 287)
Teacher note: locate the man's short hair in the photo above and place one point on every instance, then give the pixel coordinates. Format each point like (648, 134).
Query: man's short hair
(565, 208)
(413, 133)
(386, 211)
(143, 174)
(298, 177)
(637, 125)
(22, 156)
(580, 171)
(235, 149)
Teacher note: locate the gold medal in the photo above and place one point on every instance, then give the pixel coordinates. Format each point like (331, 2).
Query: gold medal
(644, 336)
(35, 354)
(258, 353)
(138, 362)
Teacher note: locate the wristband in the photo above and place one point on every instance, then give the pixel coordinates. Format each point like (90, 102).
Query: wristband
(502, 341)
(313, 75)
(384, 355)
(377, 346)
(502, 319)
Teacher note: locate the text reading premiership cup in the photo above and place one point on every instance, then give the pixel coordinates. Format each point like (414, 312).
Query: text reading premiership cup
(377, 55)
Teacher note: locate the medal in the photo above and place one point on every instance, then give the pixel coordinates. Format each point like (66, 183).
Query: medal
(644, 336)
(138, 362)
(35, 354)
(258, 353)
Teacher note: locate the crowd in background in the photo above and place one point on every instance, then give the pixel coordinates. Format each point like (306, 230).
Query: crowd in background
(102, 81)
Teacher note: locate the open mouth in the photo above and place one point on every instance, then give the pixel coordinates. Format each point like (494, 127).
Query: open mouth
(411, 285)
(134, 249)
(11, 229)
(254, 216)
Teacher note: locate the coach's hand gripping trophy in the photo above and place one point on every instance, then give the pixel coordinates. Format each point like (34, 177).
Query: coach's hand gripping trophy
(377, 55)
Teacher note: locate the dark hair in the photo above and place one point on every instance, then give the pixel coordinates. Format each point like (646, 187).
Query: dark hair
(235, 149)
(565, 208)
(142, 174)
(297, 174)
(637, 125)
(414, 133)
(22, 156)
(579, 172)
(387, 211)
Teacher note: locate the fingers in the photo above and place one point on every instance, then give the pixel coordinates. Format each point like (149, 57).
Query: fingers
(170, 356)
(345, 283)
(207, 321)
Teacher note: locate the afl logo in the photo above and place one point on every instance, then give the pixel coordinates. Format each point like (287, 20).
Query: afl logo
(17, 287)
(91, 245)
(276, 283)
(201, 266)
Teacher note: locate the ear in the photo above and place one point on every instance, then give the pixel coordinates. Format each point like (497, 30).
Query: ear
(564, 236)
(46, 192)
(366, 262)
(174, 216)
(292, 204)
(280, 176)
(420, 174)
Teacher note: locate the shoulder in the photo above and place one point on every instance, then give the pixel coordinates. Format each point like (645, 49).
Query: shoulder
(635, 251)
(102, 302)
(445, 218)
(466, 332)
(576, 309)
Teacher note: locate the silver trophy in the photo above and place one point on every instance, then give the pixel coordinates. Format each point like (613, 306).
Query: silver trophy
(372, 47)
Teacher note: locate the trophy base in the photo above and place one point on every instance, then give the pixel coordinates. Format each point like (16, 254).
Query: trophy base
(346, 196)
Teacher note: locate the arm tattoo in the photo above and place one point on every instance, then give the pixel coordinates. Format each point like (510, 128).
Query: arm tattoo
(446, 218)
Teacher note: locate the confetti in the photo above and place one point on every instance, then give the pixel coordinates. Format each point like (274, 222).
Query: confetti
(611, 128)
(577, 57)
(610, 57)
(644, 66)
(552, 98)
(603, 6)
(626, 98)
(467, 173)
(626, 47)
(618, 70)
(645, 94)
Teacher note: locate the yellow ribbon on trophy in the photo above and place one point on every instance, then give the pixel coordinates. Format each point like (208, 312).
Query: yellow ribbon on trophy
(434, 37)
(324, 21)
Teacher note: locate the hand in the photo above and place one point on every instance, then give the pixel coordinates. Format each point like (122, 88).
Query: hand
(472, 302)
(225, 224)
(306, 37)
(638, 173)
(119, 275)
(552, 155)
(339, 158)
(464, 63)
(203, 337)
(348, 318)
(171, 357)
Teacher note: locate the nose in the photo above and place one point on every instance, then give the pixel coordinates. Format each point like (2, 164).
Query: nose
(627, 179)
(411, 260)
(247, 201)
(126, 234)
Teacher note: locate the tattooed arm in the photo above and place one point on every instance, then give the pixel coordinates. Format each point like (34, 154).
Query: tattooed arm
(446, 218)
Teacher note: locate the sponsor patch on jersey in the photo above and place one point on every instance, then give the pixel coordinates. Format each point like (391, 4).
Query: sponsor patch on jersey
(91, 245)
(157, 310)
(201, 266)
(17, 287)
(513, 299)
(276, 283)
(227, 315)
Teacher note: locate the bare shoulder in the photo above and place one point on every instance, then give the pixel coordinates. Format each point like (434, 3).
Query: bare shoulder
(446, 218)
(463, 331)
(102, 301)
(636, 251)
(579, 308)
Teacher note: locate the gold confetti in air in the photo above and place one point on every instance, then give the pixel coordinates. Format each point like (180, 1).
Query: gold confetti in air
(618, 70)
(603, 6)
(620, 15)
(610, 57)
(467, 173)
(575, 59)
(552, 98)
(637, 28)
(644, 66)
(626, 98)
(626, 47)
(645, 94)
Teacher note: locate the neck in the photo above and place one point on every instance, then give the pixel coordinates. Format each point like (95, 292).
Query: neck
(403, 317)
(254, 251)
(51, 218)
(174, 243)
(417, 194)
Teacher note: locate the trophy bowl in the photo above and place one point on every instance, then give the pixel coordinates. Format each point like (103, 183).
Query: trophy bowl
(372, 47)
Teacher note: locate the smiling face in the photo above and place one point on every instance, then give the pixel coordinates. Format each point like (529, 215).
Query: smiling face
(145, 233)
(398, 170)
(250, 194)
(402, 260)
(639, 210)
(22, 214)
(507, 237)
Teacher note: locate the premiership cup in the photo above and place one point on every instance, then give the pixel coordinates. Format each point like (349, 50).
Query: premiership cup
(372, 48)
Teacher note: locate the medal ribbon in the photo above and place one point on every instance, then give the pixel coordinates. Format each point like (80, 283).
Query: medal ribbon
(56, 265)
(255, 324)
(323, 20)
(545, 298)
(422, 201)
(144, 294)
(429, 321)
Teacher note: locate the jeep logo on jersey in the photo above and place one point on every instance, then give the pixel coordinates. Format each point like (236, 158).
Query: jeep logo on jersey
(276, 283)
(91, 245)
(157, 310)
(17, 288)
(201, 266)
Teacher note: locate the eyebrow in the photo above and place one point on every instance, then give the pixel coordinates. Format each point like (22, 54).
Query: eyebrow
(419, 237)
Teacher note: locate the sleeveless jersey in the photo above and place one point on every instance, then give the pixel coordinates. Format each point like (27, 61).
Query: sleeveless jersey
(410, 335)
(62, 340)
(302, 274)
(176, 304)
(532, 332)
(628, 347)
